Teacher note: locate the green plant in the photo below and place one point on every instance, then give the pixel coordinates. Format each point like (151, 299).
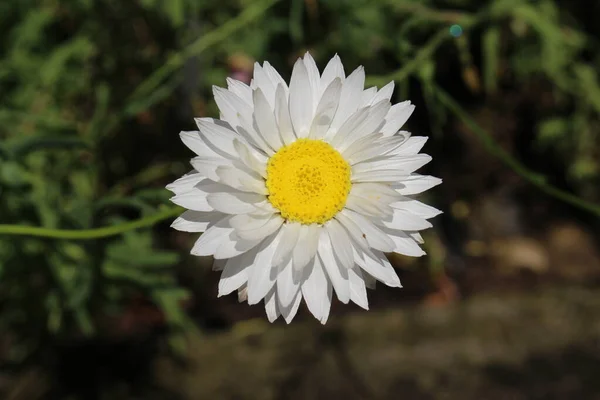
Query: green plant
(86, 121)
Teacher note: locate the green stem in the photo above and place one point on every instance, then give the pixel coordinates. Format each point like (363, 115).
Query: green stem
(466, 21)
(86, 234)
(494, 149)
(143, 91)
(410, 67)
(427, 13)
(207, 40)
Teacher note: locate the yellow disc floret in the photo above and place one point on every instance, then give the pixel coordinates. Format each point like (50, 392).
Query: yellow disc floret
(308, 181)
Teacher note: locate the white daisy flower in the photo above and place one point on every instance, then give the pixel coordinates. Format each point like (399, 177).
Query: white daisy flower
(300, 190)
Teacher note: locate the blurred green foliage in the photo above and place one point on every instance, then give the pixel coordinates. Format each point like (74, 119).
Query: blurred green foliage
(94, 92)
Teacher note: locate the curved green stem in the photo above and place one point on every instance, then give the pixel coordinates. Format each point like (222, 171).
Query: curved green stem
(86, 234)
(205, 41)
(494, 149)
(144, 90)
(410, 67)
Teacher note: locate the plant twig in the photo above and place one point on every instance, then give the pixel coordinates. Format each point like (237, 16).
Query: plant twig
(494, 149)
(87, 234)
(432, 14)
(410, 67)
(201, 44)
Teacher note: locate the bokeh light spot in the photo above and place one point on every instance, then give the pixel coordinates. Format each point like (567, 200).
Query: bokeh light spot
(456, 30)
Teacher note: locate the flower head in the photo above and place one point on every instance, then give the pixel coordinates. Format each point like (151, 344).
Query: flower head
(301, 189)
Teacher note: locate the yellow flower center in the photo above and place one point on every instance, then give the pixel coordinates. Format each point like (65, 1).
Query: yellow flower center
(308, 181)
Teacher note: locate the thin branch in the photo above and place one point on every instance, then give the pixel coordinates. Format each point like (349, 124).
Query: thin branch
(494, 149)
(87, 234)
(204, 42)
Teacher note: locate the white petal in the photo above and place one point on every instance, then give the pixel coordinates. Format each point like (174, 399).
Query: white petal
(415, 184)
(266, 208)
(417, 208)
(374, 236)
(195, 200)
(243, 293)
(314, 78)
(407, 164)
(264, 119)
(385, 93)
(317, 292)
(208, 166)
(365, 143)
(377, 191)
(326, 109)
(289, 238)
(340, 242)
(384, 175)
(271, 307)
(275, 77)
(284, 121)
(288, 284)
(416, 236)
(234, 246)
(337, 275)
(378, 266)
(370, 282)
(301, 107)
(195, 221)
(369, 125)
(396, 117)
(367, 96)
(186, 183)
(336, 136)
(411, 146)
(241, 179)
(234, 202)
(217, 135)
(308, 242)
(354, 230)
(195, 143)
(239, 115)
(404, 243)
(265, 84)
(234, 110)
(358, 291)
(262, 275)
(210, 240)
(249, 222)
(240, 89)
(289, 312)
(334, 69)
(256, 140)
(372, 146)
(406, 221)
(272, 225)
(350, 97)
(250, 159)
(369, 206)
(235, 273)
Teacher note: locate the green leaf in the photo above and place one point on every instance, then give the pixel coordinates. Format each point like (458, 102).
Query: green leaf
(135, 257)
(23, 146)
(55, 312)
(176, 11)
(551, 130)
(170, 302)
(12, 174)
(139, 277)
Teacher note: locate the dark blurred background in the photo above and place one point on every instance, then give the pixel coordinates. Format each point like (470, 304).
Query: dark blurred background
(93, 94)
